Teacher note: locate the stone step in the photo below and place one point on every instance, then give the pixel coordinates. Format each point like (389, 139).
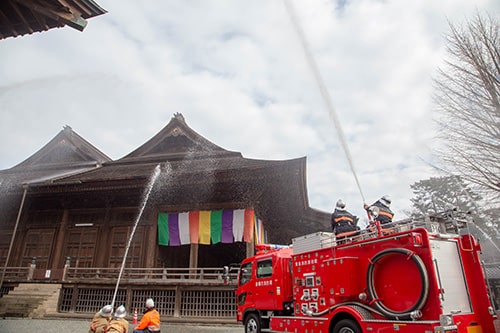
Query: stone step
(30, 301)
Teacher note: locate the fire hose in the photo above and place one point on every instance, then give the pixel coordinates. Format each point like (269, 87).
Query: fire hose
(424, 278)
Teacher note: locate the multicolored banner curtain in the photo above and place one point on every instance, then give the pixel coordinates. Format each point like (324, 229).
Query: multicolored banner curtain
(210, 227)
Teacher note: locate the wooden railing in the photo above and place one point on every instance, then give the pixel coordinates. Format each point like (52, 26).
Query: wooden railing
(212, 276)
(157, 275)
(18, 273)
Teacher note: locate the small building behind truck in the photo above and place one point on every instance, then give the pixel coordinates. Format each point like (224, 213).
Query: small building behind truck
(417, 276)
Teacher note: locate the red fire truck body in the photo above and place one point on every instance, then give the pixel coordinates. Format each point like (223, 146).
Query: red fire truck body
(396, 280)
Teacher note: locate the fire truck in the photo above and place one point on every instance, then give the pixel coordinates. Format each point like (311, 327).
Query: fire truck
(411, 276)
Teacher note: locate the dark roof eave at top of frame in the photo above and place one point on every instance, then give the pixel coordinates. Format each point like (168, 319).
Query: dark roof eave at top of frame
(21, 17)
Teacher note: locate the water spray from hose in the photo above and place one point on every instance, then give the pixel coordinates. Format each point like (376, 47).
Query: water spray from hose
(147, 192)
(323, 90)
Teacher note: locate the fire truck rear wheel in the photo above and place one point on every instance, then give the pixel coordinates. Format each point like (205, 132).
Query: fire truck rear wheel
(346, 326)
(252, 323)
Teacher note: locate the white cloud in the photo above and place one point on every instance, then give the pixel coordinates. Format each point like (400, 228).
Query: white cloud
(237, 72)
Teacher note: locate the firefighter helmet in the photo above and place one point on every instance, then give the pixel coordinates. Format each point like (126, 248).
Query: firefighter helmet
(120, 312)
(386, 200)
(106, 311)
(150, 303)
(340, 204)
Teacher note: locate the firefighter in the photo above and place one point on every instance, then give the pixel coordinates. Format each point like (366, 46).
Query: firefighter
(343, 221)
(101, 319)
(385, 213)
(118, 324)
(150, 321)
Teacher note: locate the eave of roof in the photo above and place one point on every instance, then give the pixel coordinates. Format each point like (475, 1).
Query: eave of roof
(21, 17)
(65, 155)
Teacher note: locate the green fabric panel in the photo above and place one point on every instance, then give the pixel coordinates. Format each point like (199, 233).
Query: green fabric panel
(216, 226)
(163, 235)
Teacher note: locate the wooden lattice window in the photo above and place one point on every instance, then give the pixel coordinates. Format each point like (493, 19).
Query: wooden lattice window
(38, 243)
(80, 246)
(164, 300)
(120, 240)
(207, 303)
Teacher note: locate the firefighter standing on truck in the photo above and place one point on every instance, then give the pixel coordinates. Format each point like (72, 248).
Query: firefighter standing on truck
(385, 214)
(101, 319)
(342, 220)
(150, 321)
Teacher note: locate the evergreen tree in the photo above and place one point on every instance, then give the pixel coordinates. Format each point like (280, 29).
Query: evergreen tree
(438, 194)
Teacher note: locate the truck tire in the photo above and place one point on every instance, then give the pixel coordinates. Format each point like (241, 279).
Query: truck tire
(252, 323)
(346, 326)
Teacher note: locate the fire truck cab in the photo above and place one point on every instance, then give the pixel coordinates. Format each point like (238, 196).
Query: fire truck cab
(415, 276)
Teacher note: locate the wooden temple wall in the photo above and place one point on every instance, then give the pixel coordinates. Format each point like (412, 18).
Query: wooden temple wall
(99, 237)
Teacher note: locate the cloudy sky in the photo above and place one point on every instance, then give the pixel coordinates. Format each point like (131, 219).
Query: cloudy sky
(238, 73)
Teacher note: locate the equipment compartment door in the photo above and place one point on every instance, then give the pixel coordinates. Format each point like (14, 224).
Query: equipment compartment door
(451, 276)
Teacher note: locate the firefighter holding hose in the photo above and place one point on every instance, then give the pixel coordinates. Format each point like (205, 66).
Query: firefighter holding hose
(383, 209)
(101, 319)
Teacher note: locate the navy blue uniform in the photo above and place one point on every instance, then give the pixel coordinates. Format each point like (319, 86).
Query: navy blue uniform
(343, 221)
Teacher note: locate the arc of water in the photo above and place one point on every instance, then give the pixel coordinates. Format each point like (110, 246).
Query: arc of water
(324, 91)
(147, 192)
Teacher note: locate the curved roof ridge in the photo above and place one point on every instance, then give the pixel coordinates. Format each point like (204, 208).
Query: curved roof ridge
(67, 148)
(177, 141)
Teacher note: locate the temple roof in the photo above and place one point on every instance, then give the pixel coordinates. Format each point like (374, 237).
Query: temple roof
(21, 17)
(176, 141)
(66, 154)
(177, 149)
(195, 174)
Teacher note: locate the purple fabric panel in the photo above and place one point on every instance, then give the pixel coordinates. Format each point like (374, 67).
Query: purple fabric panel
(173, 229)
(227, 226)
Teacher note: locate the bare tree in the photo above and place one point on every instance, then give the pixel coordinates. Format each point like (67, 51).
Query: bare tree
(467, 96)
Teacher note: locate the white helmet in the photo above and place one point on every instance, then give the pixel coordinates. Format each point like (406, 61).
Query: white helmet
(150, 303)
(340, 204)
(106, 311)
(386, 200)
(120, 312)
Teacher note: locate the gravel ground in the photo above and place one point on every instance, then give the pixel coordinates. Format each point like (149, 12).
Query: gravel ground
(82, 326)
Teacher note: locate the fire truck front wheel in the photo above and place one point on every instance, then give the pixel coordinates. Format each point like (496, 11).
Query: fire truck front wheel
(346, 326)
(252, 323)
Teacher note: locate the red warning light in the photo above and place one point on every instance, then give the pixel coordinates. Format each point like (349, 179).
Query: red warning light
(417, 239)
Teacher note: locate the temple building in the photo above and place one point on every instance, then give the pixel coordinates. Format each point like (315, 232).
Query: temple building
(186, 201)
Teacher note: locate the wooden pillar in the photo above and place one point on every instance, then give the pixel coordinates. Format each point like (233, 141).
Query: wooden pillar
(57, 259)
(250, 249)
(103, 239)
(177, 305)
(193, 256)
(151, 246)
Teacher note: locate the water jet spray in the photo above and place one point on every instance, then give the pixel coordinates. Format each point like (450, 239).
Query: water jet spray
(324, 91)
(147, 192)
